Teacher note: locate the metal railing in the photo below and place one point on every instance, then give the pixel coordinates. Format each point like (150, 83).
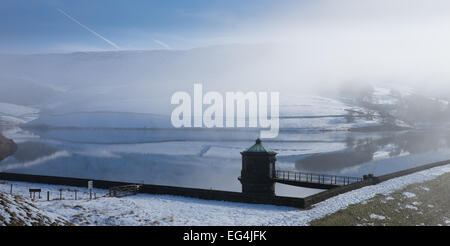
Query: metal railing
(315, 178)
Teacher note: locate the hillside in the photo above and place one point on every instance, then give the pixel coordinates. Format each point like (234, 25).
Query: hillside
(20, 211)
(417, 204)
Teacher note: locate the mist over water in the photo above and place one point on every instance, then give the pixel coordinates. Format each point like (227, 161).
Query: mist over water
(364, 88)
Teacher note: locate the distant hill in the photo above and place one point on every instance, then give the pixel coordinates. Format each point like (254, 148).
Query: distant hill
(135, 81)
(24, 92)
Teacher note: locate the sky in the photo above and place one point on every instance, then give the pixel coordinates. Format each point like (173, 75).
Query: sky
(33, 26)
(41, 26)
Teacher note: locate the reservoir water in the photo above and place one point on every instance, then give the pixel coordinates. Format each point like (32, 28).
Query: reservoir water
(211, 158)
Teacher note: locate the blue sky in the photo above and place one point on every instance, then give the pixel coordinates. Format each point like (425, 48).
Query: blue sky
(33, 26)
(40, 26)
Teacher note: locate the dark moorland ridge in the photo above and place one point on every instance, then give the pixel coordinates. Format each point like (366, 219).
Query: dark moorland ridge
(7, 147)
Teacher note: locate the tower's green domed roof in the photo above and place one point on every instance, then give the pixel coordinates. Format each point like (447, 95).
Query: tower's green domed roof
(259, 148)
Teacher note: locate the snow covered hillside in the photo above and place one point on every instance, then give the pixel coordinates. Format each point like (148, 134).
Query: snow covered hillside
(312, 112)
(16, 210)
(309, 112)
(102, 120)
(146, 209)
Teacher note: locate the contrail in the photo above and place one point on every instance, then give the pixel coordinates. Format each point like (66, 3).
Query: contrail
(90, 30)
(162, 44)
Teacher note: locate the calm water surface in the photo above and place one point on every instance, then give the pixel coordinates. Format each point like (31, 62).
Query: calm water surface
(211, 159)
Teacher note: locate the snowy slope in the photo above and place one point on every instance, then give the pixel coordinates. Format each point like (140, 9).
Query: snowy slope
(312, 112)
(20, 211)
(322, 110)
(145, 209)
(103, 120)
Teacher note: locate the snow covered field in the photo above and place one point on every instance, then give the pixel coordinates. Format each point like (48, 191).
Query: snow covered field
(146, 209)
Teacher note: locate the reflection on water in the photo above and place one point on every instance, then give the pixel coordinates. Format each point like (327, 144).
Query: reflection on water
(381, 148)
(30, 151)
(211, 159)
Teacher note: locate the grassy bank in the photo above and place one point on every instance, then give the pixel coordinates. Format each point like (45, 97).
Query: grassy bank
(425, 203)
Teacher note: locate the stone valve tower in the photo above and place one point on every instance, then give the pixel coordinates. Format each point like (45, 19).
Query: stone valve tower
(258, 170)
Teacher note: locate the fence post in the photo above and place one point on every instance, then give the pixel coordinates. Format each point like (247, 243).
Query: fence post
(48, 195)
(10, 191)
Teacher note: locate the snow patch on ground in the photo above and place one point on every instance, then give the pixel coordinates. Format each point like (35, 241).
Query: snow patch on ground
(409, 194)
(377, 217)
(411, 207)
